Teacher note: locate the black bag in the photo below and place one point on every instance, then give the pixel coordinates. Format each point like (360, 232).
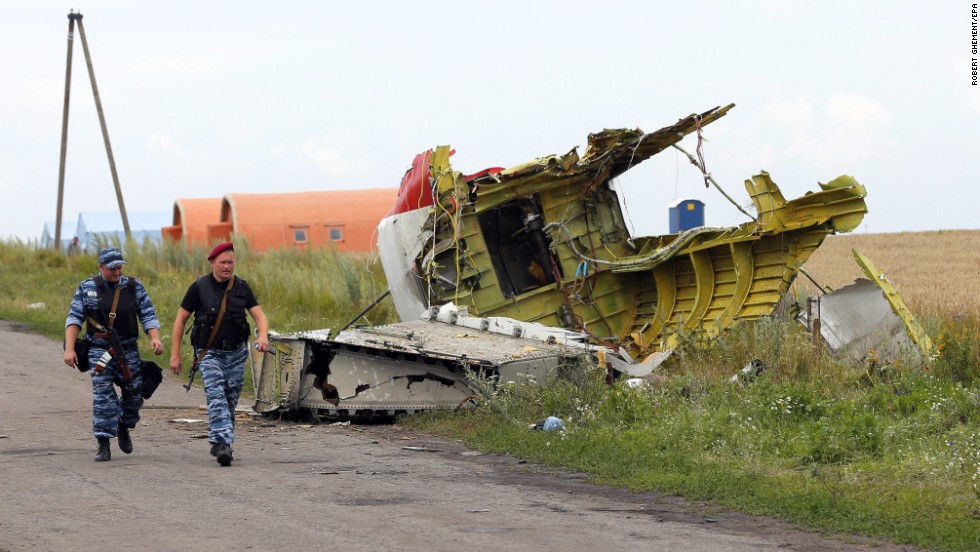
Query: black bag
(82, 346)
(152, 377)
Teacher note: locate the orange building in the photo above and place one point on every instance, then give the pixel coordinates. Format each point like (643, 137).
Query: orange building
(191, 219)
(343, 219)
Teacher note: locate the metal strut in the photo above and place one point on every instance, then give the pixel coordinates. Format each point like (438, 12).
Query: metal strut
(363, 312)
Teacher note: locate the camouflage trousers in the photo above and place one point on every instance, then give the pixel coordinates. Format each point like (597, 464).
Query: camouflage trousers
(223, 373)
(109, 410)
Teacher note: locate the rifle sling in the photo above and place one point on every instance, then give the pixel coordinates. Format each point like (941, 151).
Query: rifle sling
(112, 313)
(115, 304)
(217, 322)
(121, 358)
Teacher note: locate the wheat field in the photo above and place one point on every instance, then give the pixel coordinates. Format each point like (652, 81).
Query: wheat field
(936, 273)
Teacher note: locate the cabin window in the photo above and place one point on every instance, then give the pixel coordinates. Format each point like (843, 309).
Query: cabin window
(336, 234)
(299, 235)
(518, 246)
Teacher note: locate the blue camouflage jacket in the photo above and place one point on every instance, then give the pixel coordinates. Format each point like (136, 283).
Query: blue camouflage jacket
(86, 301)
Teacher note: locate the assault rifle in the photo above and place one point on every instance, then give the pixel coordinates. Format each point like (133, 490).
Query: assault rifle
(194, 368)
(119, 353)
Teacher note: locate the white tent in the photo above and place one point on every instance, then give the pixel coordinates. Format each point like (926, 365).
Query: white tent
(98, 229)
(47, 235)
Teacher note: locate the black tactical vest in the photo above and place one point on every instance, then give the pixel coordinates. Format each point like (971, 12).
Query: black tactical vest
(127, 311)
(234, 326)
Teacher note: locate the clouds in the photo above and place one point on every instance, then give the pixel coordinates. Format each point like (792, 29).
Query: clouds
(204, 99)
(846, 128)
(166, 144)
(335, 157)
(804, 139)
(799, 140)
(973, 101)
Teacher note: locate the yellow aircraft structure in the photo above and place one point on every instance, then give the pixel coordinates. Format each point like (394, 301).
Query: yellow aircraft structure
(546, 242)
(526, 271)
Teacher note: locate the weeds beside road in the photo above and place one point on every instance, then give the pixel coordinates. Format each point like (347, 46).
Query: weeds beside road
(888, 449)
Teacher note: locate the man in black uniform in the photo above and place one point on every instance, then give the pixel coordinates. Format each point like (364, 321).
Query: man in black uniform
(225, 345)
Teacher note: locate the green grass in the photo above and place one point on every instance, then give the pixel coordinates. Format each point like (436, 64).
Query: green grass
(888, 449)
(842, 461)
(297, 291)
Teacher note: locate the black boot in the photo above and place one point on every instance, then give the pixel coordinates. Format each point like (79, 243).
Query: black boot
(104, 454)
(215, 447)
(224, 454)
(125, 441)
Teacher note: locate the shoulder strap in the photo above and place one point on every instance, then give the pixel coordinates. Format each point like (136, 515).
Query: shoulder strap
(217, 321)
(115, 304)
(112, 313)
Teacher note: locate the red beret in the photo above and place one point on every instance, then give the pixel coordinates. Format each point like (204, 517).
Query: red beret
(220, 248)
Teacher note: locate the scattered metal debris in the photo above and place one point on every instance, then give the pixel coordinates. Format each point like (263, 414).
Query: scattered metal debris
(864, 317)
(421, 449)
(633, 383)
(753, 369)
(410, 366)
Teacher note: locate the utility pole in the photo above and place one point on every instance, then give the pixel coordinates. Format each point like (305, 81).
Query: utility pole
(72, 18)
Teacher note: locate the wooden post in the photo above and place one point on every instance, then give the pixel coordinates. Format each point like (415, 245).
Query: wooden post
(72, 16)
(105, 132)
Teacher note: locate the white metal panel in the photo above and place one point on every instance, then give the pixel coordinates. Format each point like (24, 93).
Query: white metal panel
(399, 243)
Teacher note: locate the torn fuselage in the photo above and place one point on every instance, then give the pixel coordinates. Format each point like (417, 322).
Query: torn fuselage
(423, 364)
(546, 242)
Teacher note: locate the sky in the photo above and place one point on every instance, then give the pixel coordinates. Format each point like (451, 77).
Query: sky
(202, 99)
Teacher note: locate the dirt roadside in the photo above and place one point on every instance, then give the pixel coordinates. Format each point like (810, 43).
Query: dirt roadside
(299, 486)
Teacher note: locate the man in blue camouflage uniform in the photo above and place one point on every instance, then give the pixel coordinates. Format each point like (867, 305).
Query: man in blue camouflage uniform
(223, 364)
(92, 305)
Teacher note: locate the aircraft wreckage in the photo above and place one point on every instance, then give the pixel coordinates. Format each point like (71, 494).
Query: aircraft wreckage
(540, 271)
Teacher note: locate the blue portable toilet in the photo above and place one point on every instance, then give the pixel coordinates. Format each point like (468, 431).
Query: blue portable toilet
(686, 214)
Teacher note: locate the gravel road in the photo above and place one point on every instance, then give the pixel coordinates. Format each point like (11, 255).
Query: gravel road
(297, 486)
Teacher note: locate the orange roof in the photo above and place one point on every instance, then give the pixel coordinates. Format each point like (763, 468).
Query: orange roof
(344, 219)
(191, 219)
